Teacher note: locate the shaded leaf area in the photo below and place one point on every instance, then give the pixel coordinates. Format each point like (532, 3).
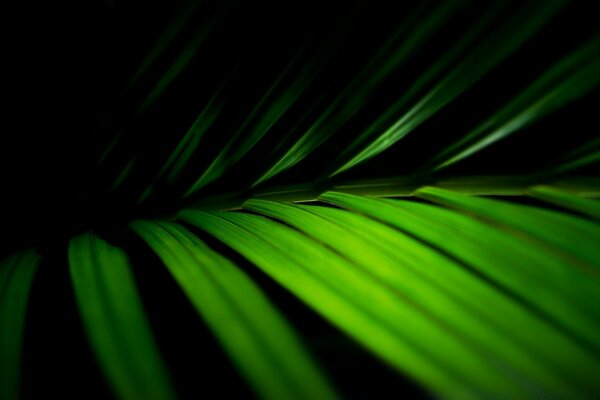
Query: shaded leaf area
(16, 276)
(168, 105)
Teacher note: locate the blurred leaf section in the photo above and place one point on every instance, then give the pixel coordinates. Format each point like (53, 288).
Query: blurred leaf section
(352, 300)
(257, 338)
(16, 275)
(114, 320)
(575, 237)
(277, 100)
(568, 200)
(183, 59)
(572, 77)
(409, 36)
(499, 44)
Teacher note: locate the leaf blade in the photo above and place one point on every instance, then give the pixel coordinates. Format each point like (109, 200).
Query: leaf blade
(498, 256)
(114, 320)
(256, 337)
(16, 276)
(354, 301)
(566, 199)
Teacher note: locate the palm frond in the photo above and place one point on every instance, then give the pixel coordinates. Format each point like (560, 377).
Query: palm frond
(114, 320)
(273, 201)
(16, 275)
(250, 329)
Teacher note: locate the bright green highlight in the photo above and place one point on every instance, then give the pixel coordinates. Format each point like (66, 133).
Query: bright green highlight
(529, 271)
(576, 237)
(361, 304)
(473, 293)
(114, 320)
(443, 289)
(16, 276)
(257, 338)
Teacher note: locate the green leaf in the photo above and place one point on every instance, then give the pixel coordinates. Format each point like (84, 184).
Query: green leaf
(572, 77)
(469, 296)
(16, 276)
(277, 100)
(425, 80)
(504, 40)
(555, 287)
(183, 59)
(567, 200)
(171, 31)
(367, 308)
(588, 153)
(473, 292)
(572, 235)
(257, 338)
(432, 292)
(114, 320)
(415, 30)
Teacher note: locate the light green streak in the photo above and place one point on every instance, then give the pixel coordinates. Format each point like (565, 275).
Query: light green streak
(427, 78)
(359, 303)
(567, 200)
(576, 236)
(262, 118)
(187, 146)
(189, 143)
(534, 272)
(125, 172)
(571, 78)
(114, 320)
(587, 154)
(474, 294)
(16, 276)
(409, 37)
(258, 339)
(108, 149)
(406, 275)
(478, 63)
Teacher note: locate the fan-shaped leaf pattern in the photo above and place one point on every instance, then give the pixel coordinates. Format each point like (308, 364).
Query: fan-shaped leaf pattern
(418, 177)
